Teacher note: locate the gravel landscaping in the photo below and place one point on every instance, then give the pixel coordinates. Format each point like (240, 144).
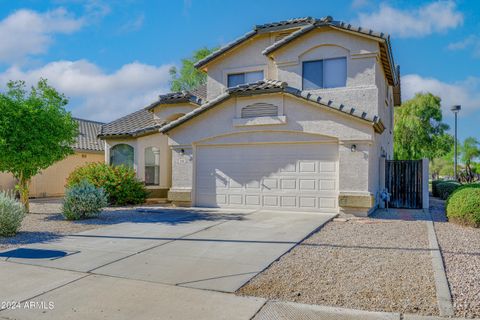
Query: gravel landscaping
(460, 248)
(370, 264)
(45, 222)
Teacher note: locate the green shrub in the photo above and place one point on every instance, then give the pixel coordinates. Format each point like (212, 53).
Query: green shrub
(446, 188)
(83, 201)
(465, 186)
(464, 206)
(119, 182)
(12, 213)
(434, 187)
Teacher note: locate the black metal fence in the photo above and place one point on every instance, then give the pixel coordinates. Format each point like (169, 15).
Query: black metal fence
(403, 179)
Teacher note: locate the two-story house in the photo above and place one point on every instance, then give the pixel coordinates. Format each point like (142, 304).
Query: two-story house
(296, 116)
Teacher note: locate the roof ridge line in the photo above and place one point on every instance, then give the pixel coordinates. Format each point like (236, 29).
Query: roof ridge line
(87, 120)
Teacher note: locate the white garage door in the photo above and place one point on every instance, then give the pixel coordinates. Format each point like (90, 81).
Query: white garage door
(301, 176)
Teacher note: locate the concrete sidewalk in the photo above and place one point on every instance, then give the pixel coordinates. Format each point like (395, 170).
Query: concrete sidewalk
(53, 294)
(275, 310)
(99, 297)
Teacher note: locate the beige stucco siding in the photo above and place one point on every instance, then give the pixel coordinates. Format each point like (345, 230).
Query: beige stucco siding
(365, 89)
(300, 116)
(139, 145)
(169, 112)
(360, 91)
(247, 57)
(301, 120)
(51, 181)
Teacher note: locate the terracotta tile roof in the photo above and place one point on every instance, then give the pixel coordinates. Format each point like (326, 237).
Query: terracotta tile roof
(136, 123)
(87, 136)
(200, 92)
(290, 23)
(259, 86)
(176, 97)
(225, 48)
(142, 122)
(270, 86)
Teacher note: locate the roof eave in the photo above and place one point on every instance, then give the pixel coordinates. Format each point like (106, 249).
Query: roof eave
(194, 113)
(383, 39)
(203, 63)
(88, 150)
(356, 114)
(132, 134)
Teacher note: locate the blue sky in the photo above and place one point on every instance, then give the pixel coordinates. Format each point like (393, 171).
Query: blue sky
(112, 57)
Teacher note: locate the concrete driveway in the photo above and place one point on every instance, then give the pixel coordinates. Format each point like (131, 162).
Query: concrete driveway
(150, 260)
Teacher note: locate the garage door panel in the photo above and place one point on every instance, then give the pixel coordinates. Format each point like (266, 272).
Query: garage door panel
(290, 176)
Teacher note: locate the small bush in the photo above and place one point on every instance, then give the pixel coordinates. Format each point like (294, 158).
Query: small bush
(465, 186)
(446, 188)
(119, 182)
(464, 206)
(83, 201)
(12, 213)
(434, 187)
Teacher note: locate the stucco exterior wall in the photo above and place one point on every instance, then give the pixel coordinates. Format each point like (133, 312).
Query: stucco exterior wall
(361, 54)
(285, 64)
(245, 58)
(218, 125)
(51, 181)
(168, 112)
(139, 145)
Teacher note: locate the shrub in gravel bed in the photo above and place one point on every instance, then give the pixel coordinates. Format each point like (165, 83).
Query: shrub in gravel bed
(464, 206)
(83, 201)
(119, 182)
(445, 189)
(435, 183)
(12, 213)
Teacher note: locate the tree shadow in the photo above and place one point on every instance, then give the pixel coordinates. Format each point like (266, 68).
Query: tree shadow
(159, 216)
(28, 237)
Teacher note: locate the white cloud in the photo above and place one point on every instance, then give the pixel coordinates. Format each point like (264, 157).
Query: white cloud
(98, 95)
(26, 32)
(438, 16)
(471, 42)
(134, 24)
(465, 93)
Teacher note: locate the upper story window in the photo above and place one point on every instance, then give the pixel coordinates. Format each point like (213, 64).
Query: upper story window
(327, 73)
(236, 79)
(121, 154)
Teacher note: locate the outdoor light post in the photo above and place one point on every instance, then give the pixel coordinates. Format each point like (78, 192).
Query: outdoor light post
(455, 109)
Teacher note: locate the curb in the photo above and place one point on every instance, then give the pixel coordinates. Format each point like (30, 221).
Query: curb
(444, 297)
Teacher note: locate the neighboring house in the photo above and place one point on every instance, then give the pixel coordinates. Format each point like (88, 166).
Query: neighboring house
(296, 116)
(51, 181)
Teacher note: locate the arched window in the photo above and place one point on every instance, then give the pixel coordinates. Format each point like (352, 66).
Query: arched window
(121, 154)
(152, 166)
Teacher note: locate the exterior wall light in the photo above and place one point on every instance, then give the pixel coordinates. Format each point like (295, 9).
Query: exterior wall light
(182, 151)
(353, 148)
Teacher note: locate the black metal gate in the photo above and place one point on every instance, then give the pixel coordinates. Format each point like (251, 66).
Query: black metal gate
(403, 179)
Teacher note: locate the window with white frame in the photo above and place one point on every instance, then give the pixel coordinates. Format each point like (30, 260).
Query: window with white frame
(326, 73)
(152, 166)
(236, 79)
